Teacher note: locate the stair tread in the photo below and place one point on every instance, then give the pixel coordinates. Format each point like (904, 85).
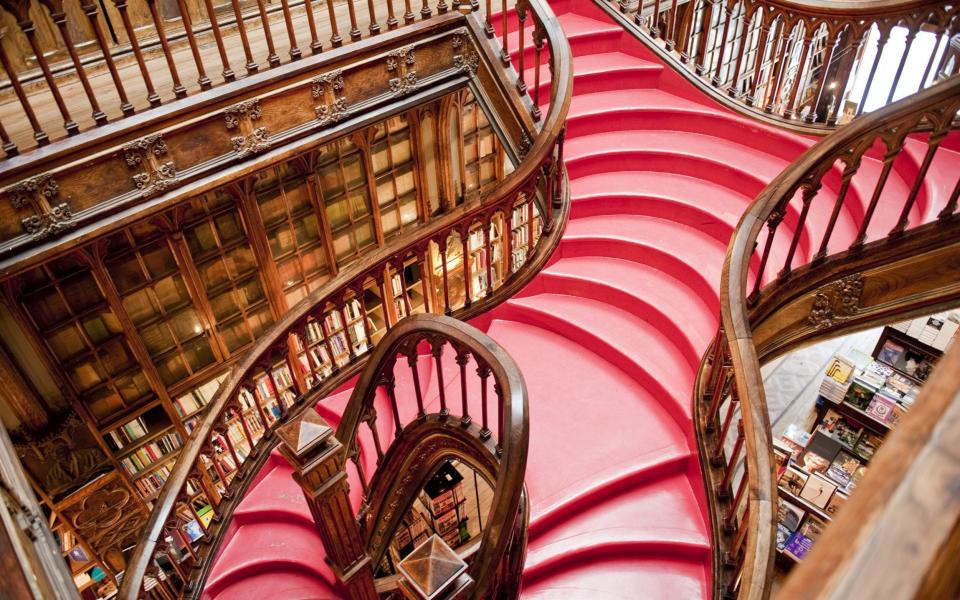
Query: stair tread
(719, 199)
(685, 240)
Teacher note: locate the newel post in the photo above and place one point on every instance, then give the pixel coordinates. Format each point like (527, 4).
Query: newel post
(317, 457)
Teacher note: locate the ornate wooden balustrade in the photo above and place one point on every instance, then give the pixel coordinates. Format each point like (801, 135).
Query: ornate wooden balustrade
(486, 426)
(803, 63)
(836, 274)
(216, 470)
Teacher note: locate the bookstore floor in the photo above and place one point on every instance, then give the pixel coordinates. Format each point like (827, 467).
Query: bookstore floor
(831, 406)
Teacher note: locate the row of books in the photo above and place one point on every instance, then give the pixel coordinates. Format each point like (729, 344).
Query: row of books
(148, 454)
(878, 390)
(197, 398)
(128, 433)
(936, 331)
(153, 482)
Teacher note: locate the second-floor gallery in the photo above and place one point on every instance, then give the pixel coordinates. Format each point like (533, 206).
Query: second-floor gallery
(382, 299)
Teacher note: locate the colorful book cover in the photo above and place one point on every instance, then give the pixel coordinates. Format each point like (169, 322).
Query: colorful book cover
(880, 407)
(835, 503)
(867, 445)
(855, 479)
(859, 394)
(798, 545)
(890, 353)
(793, 481)
(818, 491)
(842, 468)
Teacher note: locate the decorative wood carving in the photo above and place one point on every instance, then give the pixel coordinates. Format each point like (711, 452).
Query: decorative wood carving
(400, 64)
(836, 302)
(466, 59)
(240, 118)
(145, 155)
(108, 519)
(38, 193)
(329, 89)
(64, 458)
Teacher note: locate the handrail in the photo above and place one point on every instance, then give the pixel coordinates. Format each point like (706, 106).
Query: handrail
(894, 536)
(732, 417)
(538, 181)
(801, 64)
(509, 440)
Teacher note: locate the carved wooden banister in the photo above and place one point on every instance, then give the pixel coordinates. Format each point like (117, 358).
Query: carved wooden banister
(797, 63)
(493, 439)
(217, 470)
(788, 280)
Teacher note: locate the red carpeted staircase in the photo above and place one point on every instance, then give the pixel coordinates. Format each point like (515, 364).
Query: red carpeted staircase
(608, 337)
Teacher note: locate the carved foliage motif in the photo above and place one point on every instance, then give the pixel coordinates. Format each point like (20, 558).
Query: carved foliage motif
(836, 302)
(63, 459)
(328, 88)
(241, 117)
(400, 64)
(39, 192)
(145, 155)
(466, 60)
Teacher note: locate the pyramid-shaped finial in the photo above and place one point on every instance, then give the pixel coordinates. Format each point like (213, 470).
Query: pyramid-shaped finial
(304, 432)
(432, 567)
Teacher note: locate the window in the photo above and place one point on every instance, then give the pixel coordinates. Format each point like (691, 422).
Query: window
(393, 168)
(228, 270)
(346, 198)
(154, 295)
(293, 231)
(73, 319)
(480, 148)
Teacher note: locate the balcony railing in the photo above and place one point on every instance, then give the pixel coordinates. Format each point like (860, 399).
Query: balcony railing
(810, 64)
(216, 469)
(793, 274)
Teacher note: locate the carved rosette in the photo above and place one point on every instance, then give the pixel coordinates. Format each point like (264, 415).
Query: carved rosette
(107, 519)
(240, 117)
(466, 59)
(145, 155)
(836, 302)
(328, 88)
(400, 64)
(39, 193)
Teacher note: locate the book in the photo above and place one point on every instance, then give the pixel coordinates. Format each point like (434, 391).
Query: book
(793, 480)
(859, 394)
(842, 468)
(867, 445)
(855, 479)
(881, 407)
(795, 438)
(818, 490)
(802, 541)
(839, 369)
(890, 353)
(781, 457)
(839, 428)
(835, 503)
(789, 515)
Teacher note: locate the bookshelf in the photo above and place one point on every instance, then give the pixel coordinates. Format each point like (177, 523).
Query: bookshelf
(819, 466)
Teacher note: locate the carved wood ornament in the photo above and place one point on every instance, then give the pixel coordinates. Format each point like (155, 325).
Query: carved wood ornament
(241, 117)
(38, 193)
(401, 63)
(328, 88)
(836, 302)
(145, 154)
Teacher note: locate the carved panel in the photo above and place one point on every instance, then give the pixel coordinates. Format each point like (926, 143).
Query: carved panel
(401, 65)
(836, 302)
(108, 518)
(63, 459)
(328, 88)
(240, 119)
(154, 174)
(466, 59)
(39, 193)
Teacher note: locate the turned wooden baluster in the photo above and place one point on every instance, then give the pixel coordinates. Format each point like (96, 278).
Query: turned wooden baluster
(911, 37)
(933, 143)
(408, 12)
(272, 59)
(539, 42)
(767, 24)
(346, 332)
(654, 19)
(728, 11)
(389, 384)
(20, 9)
(893, 150)
(59, 17)
(734, 458)
(446, 278)
(773, 221)
(371, 420)
(849, 170)
(354, 28)
(809, 193)
(425, 9)
(251, 65)
(505, 39)
(730, 520)
(368, 343)
(951, 205)
(487, 25)
(372, 14)
(881, 43)
(202, 79)
(436, 348)
(717, 455)
(334, 365)
(483, 371)
(833, 39)
(463, 357)
(412, 359)
(672, 27)
(467, 267)
(522, 44)
(686, 53)
(801, 72)
(335, 40)
(392, 21)
(488, 255)
(747, 15)
(178, 90)
(8, 146)
(152, 96)
(315, 45)
(291, 32)
(780, 68)
(227, 72)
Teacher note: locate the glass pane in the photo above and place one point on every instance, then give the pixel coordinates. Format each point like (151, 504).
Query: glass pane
(365, 234)
(389, 221)
(133, 387)
(353, 170)
(159, 261)
(405, 181)
(359, 203)
(240, 261)
(46, 308)
(380, 157)
(330, 181)
(101, 326)
(139, 306)
(272, 209)
(307, 229)
(313, 261)
(104, 403)
(200, 239)
(171, 369)
(66, 343)
(224, 306)
(281, 241)
(198, 354)
(400, 148)
(234, 335)
(115, 356)
(408, 210)
(81, 292)
(126, 275)
(385, 193)
(260, 320)
(156, 338)
(214, 273)
(228, 226)
(342, 245)
(171, 292)
(186, 324)
(337, 212)
(298, 197)
(86, 375)
(250, 292)
(290, 272)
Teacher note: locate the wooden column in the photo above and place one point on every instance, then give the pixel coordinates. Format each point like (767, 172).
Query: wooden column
(317, 456)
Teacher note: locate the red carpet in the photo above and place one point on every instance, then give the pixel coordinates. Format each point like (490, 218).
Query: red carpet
(608, 338)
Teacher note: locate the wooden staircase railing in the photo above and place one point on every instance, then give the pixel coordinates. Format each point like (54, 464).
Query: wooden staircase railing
(214, 469)
(787, 282)
(799, 63)
(484, 423)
